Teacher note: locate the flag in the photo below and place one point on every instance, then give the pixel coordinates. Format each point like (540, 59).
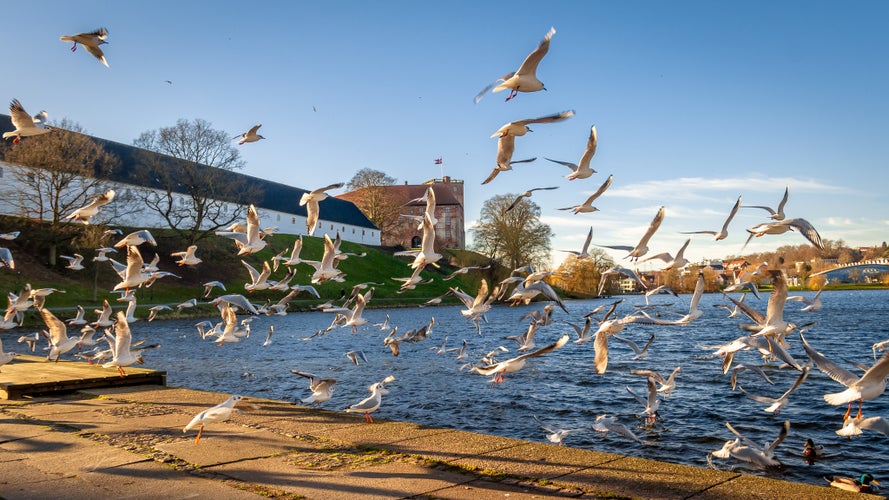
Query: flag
(439, 161)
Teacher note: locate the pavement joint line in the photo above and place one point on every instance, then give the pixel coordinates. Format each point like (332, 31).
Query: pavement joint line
(720, 483)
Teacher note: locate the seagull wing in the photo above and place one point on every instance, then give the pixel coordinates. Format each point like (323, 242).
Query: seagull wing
(529, 65)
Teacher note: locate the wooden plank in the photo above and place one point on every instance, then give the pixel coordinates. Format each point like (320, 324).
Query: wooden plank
(30, 375)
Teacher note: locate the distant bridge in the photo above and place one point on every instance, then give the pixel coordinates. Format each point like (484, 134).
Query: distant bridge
(863, 269)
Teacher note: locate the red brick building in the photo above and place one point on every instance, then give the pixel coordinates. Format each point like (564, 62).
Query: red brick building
(450, 231)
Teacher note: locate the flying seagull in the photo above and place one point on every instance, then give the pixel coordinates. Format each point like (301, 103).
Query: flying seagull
(25, 125)
(85, 213)
(311, 200)
(587, 205)
(722, 233)
(641, 248)
(777, 215)
(802, 225)
(525, 79)
(91, 41)
(582, 169)
(249, 136)
(527, 194)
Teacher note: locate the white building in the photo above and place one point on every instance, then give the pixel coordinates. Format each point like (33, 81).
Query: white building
(277, 204)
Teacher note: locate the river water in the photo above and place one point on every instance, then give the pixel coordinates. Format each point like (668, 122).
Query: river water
(562, 389)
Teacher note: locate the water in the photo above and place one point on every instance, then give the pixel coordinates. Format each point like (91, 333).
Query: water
(561, 388)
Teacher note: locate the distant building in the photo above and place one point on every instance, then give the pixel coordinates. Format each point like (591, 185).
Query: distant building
(277, 204)
(450, 230)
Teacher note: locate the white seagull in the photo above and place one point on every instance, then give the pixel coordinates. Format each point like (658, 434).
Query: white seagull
(25, 125)
(188, 257)
(641, 248)
(134, 276)
(777, 215)
(746, 450)
(677, 262)
(311, 200)
(59, 341)
(517, 363)
(74, 263)
(219, 413)
(587, 205)
(91, 41)
(527, 194)
(321, 388)
(582, 169)
(249, 136)
(802, 225)
(372, 402)
(85, 213)
(525, 79)
(136, 238)
(722, 233)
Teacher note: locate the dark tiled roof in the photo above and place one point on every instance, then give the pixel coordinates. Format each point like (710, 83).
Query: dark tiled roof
(273, 195)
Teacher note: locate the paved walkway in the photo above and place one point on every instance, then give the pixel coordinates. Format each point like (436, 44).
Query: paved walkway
(127, 442)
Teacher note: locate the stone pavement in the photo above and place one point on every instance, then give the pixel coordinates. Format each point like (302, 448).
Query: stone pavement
(127, 442)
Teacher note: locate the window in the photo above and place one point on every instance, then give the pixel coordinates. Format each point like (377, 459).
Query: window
(447, 210)
(293, 220)
(278, 218)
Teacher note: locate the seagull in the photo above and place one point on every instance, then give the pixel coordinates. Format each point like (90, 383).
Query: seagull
(311, 200)
(31, 340)
(236, 300)
(321, 388)
(188, 304)
(802, 225)
(6, 259)
(641, 352)
(587, 205)
(25, 125)
(869, 386)
(258, 280)
(525, 79)
(74, 263)
(505, 149)
(677, 262)
(78, 319)
(722, 233)
(605, 423)
(426, 255)
(353, 316)
(527, 194)
(641, 248)
(777, 215)
(91, 41)
(778, 404)
(249, 136)
(219, 413)
(134, 276)
(520, 127)
(582, 169)
(651, 403)
(749, 451)
(121, 354)
(517, 363)
(59, 341)
(85, 213)
(853, 426)
(102, 254)
(268, 337)
(187, 258)
(153, 311)
(666, 385)
(556, 436)
(6, 357)
(326, 270)
(250, 240)
(10, 235)
(208, 286)
(372, 402)
(464, 270)
(812, 304)
(618, 270)
(136, 238)
(356, 357)
(294, 255)
(104, 320)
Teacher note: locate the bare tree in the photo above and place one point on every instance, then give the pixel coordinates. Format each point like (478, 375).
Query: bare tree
(515, 238)
(55, 174)
(193, 186)
(371, 197)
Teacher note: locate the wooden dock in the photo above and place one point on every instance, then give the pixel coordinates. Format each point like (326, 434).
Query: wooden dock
(32, 375)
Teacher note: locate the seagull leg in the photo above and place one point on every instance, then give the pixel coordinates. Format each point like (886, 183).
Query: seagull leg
(16, 141)
(848, 412)
(121, 372)
(368, 418)
(860, 404)
(512, 94)
(200, 431)
(74, 47)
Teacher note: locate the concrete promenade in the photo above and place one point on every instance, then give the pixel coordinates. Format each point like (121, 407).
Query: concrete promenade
(127, 442)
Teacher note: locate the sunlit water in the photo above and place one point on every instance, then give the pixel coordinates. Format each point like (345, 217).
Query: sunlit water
(561, 388)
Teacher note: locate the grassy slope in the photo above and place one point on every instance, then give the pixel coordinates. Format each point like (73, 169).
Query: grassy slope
(220, 263)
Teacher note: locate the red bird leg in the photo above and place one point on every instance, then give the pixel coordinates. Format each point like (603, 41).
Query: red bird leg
(121, 372)
(848, 412)
(368, 418)
(16, 140)
(512, 94)
(74, 47)
(860, 404)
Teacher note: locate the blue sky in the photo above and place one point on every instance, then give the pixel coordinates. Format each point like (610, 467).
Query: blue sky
(695, 103)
